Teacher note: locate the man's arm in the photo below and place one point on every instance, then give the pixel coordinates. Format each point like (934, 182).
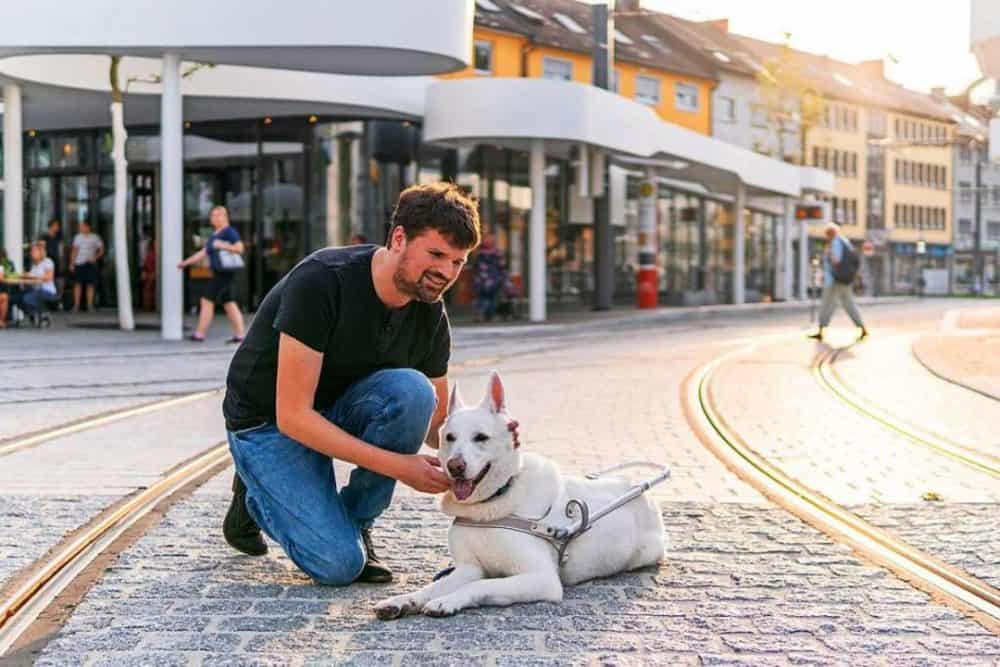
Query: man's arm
(72, 254)
(299, 369)
(441, 413)
(100, 249)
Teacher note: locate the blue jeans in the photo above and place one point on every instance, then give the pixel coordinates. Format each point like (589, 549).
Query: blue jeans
(291, 489)
(34, 300)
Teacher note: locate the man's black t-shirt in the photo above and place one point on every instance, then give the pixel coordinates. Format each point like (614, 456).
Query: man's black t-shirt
(328, 302)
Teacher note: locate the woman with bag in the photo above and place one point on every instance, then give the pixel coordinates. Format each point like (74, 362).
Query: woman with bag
(224, 250)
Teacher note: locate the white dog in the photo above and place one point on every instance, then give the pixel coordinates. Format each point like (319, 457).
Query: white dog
(492, 479)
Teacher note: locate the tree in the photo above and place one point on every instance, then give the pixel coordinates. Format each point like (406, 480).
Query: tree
(791, 102)
(126, 319)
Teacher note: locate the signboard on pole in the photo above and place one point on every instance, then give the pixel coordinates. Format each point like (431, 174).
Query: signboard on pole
(647, 289)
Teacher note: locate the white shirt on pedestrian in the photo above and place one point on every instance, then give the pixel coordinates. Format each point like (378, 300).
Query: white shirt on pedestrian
(39, 270)
(87, 246)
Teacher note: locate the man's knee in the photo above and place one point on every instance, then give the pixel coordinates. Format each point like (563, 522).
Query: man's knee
(329, 564)
(411, 396)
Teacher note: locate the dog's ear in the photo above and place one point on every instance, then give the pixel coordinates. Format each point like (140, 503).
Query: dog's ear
(494, 398)
(456, 400)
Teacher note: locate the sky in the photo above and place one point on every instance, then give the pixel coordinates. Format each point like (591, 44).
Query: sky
(929, 41)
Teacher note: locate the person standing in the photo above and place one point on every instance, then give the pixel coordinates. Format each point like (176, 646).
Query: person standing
(346, 360)
(87, 249)
(224, 250)
(489, 278)
(837, 284)
(54, 250)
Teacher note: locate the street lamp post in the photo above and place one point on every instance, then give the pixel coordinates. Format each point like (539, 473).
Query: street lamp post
(604, 257)
(977, 260)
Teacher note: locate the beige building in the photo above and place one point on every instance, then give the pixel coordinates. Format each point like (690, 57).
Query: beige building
(890, 150)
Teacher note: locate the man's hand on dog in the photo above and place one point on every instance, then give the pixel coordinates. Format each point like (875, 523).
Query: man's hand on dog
(422, 473)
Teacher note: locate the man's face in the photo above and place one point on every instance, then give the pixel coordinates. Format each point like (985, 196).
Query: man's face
(830, 233)
(428, 265)
(84, 228)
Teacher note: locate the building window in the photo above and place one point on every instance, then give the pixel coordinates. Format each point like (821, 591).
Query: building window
(725, 109)
(557, 68)
(993, 231)
(483, 57)
(647, 89)
(758, 115)
(897, 170)
(964, 155)
(854, 165)
(686, 96)
(965, 191)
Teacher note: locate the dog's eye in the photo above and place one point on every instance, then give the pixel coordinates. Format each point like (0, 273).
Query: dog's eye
(481, 437)
(450, 437)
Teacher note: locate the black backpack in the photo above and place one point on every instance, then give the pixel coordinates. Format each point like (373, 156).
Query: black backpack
(846, 269)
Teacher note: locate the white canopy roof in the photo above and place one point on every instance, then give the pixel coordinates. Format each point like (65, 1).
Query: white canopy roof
(373, 37)
(514, 111)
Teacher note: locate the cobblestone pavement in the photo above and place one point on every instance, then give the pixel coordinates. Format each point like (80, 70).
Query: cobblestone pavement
(30, 523)
(962, 534)
(826, 444)
(885, 372)
(831, 448)
(743, 583)
(972, 360)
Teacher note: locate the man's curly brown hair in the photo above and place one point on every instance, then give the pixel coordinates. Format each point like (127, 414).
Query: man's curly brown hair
(440, 206)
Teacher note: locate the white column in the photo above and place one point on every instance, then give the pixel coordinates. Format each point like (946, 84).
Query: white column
(739, 243)
(787, 263)
(171, 199)
(536, 233)
(803, 261)
(13, 180)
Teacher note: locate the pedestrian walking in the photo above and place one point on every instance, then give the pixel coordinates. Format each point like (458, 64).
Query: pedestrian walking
(87, 249)
(489, 278)
(840, 266)
(224, 250)
(346, 359)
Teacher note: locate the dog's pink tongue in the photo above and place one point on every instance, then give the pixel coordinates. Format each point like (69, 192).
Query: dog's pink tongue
(463, 488)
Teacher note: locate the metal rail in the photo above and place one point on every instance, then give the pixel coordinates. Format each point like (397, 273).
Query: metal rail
(817, 510)
(827, 376)
(36, 438)
(53, 574)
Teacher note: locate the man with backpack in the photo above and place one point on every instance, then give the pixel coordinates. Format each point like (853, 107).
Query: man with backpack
(840, 267)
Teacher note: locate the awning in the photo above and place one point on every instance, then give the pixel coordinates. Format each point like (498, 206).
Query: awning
(512, 112)
(374, 37)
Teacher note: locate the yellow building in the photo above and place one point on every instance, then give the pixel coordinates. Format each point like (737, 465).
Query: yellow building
(890, 151)
(552, 39)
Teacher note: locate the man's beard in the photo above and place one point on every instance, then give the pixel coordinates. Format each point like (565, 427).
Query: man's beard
(428, 288)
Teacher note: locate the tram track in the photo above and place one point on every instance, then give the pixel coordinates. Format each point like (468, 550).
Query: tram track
(34, 438)
(52, 574)
(826, 374)
(944, 582)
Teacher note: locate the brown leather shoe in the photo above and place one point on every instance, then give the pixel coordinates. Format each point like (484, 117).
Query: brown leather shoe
(375, 571)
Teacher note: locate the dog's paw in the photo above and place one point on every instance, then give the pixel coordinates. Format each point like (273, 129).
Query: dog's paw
(441, 607)
(396, 607)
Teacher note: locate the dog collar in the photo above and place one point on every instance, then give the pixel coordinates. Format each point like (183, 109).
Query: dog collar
(502, 490)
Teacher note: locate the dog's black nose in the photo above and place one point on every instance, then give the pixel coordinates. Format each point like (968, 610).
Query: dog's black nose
(456, 467)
